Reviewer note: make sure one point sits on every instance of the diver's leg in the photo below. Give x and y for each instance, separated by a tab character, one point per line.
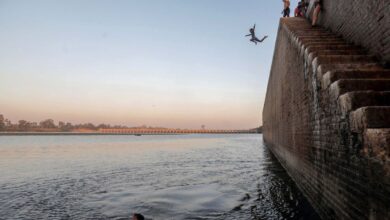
262	39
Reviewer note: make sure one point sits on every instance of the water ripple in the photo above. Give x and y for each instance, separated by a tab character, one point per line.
169	177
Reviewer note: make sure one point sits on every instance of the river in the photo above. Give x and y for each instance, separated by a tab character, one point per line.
161	176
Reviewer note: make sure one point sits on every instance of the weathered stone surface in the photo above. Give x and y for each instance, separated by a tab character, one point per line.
377	145
353	100
332	76
346	85
326	118
370	117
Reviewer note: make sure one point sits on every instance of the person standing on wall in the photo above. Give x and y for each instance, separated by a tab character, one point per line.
286	10
316	12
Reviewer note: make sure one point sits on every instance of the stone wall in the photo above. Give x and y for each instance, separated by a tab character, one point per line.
306	129
363	22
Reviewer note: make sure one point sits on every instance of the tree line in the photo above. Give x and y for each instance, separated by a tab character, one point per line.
50	125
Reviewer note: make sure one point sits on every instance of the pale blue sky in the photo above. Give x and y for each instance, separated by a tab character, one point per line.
172	63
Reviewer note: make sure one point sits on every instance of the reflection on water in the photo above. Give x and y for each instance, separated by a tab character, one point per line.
163	177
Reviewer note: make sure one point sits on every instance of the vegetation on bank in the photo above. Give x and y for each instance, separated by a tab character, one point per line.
48	125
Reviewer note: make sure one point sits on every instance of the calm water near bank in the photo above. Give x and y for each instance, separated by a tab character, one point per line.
163	177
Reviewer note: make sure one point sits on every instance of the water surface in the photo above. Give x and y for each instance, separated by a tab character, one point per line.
162	177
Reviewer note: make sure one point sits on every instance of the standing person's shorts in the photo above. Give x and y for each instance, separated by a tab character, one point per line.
286	12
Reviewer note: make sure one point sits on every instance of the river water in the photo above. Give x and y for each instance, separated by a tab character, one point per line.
162	177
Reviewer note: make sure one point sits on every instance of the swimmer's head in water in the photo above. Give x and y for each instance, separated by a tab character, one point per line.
138	216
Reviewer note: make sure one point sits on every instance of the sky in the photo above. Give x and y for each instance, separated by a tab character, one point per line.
170	63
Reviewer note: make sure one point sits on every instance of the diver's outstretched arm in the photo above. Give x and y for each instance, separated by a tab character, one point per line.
248	35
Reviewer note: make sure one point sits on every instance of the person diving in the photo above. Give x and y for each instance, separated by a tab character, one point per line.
252	34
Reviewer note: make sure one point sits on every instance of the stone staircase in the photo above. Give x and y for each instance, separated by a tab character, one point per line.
354	78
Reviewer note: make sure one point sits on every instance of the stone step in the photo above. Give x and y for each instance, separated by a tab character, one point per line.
353	100
339	59
296	28
377	143
305	28
321	41
311	37
349	85
318	46
324	68
369	117
306	31
309	44
361	61
335	59
309	32
332	76
319	36
331	47
310	57
339	52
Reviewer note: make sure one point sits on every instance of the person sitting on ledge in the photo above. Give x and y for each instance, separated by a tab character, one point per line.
286	10
138	216
298	12
317	10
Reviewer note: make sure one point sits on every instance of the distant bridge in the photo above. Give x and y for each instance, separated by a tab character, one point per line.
171	131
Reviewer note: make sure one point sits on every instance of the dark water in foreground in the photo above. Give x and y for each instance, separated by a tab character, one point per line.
163	177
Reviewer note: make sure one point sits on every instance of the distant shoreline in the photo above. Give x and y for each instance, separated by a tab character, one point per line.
97	133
